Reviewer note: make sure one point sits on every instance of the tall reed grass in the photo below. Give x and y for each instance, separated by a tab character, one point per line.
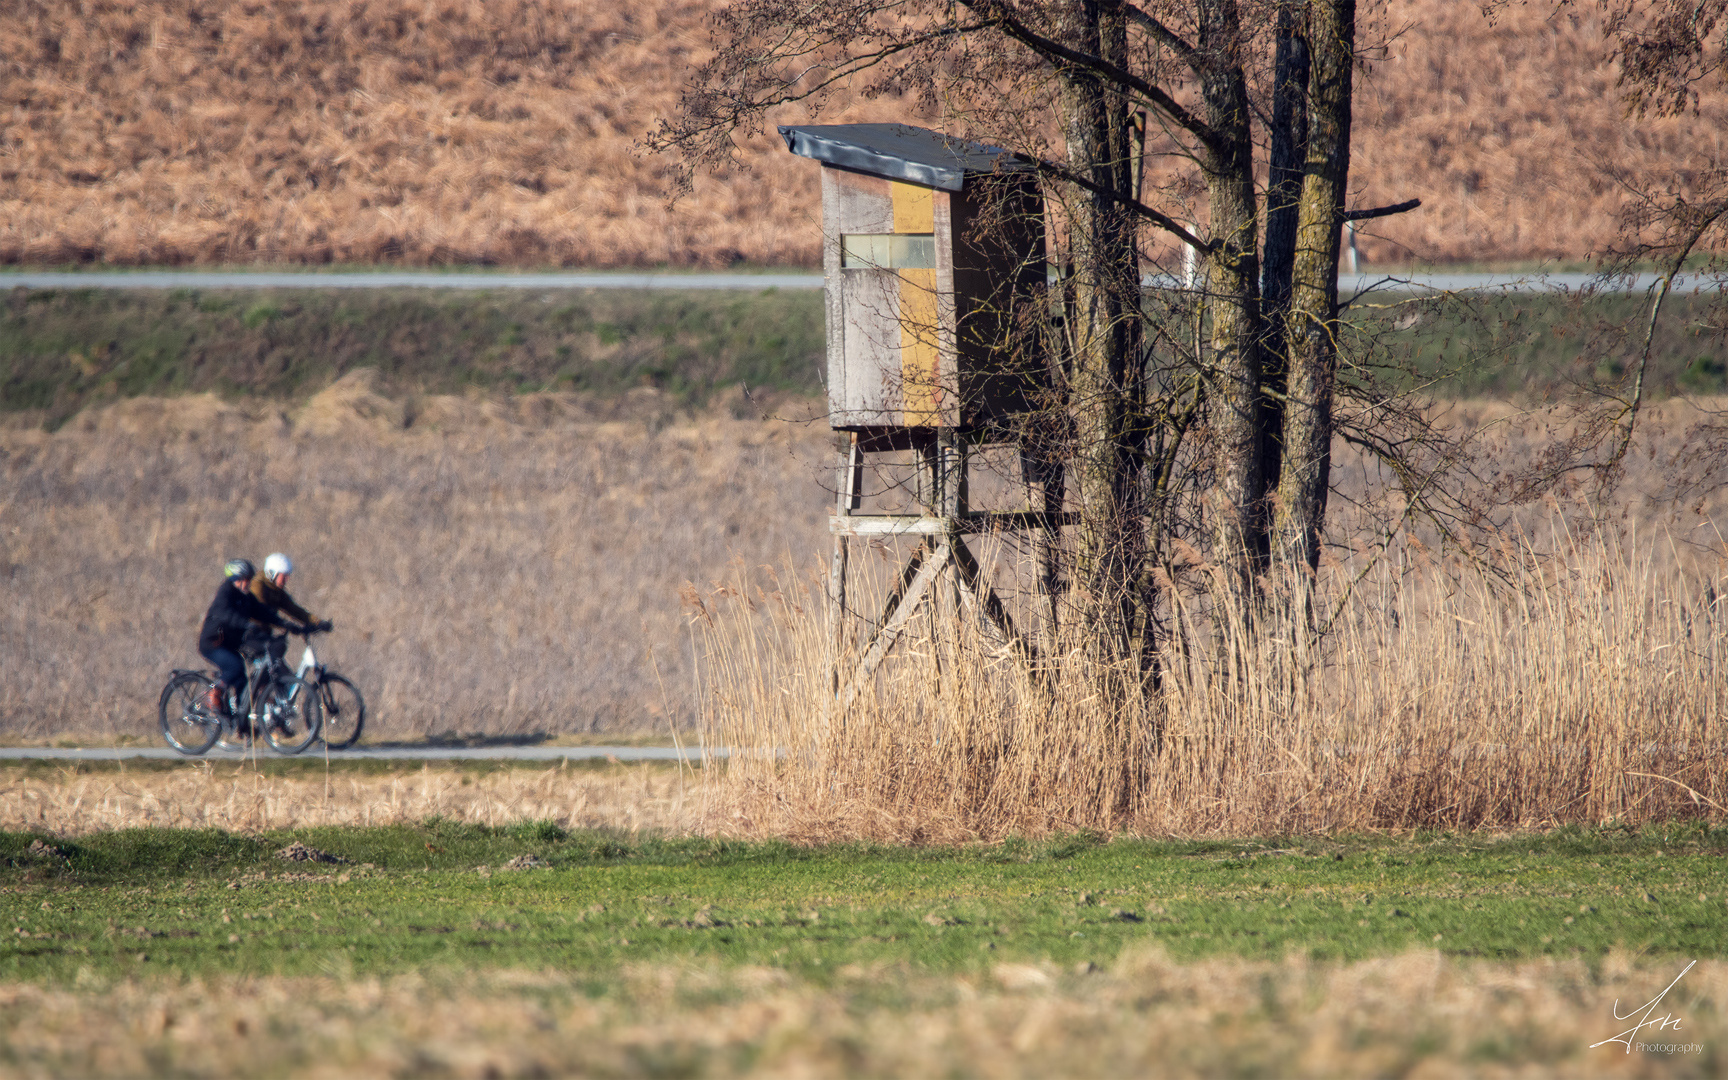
1510	689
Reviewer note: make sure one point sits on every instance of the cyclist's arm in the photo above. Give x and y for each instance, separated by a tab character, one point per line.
273	595
260	612
290	608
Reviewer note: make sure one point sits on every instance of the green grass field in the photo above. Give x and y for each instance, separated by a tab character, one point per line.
205	953
201	903
64	349
1512	347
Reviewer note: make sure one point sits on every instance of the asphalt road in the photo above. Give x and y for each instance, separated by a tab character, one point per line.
368	753
313	279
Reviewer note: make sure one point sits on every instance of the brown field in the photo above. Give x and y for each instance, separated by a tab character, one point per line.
1419	1015
312	131
503	568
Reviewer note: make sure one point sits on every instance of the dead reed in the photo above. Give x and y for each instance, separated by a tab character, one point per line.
315	131
1419	1014
1497	688
223	796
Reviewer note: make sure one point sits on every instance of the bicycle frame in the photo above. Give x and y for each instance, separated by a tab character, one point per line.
309	661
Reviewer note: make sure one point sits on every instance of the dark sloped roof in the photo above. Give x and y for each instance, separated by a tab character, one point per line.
899	151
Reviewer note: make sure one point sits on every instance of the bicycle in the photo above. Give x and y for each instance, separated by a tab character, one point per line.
281	704
342	709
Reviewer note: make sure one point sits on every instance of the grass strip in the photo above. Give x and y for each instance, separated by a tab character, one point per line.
1512	346
438	895
64	349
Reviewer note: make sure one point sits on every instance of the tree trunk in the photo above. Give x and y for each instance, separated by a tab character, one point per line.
1311	336
1233	296
1104	327
1289	139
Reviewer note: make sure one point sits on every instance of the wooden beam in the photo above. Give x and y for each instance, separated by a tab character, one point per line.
924	525
916	578
989	605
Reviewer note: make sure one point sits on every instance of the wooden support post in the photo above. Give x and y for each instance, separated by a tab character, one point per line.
950	461
985	603
943	496
1044	482
848	496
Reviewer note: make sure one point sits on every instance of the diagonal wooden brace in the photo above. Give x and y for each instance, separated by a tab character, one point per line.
984	601
928	561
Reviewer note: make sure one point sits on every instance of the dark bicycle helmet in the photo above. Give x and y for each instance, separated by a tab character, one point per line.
238	568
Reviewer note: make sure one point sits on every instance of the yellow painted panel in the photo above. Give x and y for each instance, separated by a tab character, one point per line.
914	208
920	388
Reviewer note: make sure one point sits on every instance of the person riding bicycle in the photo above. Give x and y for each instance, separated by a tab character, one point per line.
231	613
271	589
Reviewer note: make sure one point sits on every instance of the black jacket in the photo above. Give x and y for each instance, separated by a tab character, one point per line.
230	613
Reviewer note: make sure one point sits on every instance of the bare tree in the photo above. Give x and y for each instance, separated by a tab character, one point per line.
1208	423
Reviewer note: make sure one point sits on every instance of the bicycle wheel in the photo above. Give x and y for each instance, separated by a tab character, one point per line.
186	723
343	711
290	714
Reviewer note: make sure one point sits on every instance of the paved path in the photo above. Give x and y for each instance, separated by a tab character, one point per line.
367	753
240	279
407	279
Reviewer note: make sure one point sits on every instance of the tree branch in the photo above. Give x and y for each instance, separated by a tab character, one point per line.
1163	221
1056	51
1682	251
1164	36
1382	211
727	97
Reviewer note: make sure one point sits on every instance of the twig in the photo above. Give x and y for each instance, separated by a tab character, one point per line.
1690	790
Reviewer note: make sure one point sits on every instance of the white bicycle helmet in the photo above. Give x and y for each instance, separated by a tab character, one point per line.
278	565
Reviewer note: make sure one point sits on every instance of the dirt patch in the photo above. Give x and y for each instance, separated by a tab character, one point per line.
298	852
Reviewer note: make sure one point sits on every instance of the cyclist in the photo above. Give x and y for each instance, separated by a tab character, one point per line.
233	611
271	589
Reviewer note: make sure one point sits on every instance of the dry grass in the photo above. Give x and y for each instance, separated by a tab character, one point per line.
498	567
1570	672
176	131
513	567
316	131
1511	132
1417	1015
210	795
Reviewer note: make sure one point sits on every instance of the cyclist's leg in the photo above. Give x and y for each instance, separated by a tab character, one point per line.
232	675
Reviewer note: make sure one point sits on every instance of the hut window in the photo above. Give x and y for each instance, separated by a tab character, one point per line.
888	251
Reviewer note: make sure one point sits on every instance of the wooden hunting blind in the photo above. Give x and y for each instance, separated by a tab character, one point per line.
934	263
933	250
